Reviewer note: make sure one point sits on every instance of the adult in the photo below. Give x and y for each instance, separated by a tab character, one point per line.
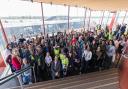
40	64
55	68
64	62
16	61
48	60
7	51
111	50
87	56
22	39
8	57
123	80
73	41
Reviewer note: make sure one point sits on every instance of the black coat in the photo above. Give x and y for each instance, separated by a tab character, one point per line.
57	68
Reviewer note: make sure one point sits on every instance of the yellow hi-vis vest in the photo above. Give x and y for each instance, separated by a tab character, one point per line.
64	60
62	56
32	58
106	34
110	36
56	51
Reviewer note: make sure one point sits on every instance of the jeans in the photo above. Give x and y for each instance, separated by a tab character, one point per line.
26	79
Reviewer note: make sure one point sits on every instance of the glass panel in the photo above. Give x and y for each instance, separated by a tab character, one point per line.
126	19
56	17
106	18
110	18
21	17
76	17
96	16
121	17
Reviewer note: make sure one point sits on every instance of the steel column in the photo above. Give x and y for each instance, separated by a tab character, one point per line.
99	19
3	32
102	18
42	10
68	17
89	20
85	17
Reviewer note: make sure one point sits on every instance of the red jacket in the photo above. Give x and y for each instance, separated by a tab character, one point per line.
73	41
16	63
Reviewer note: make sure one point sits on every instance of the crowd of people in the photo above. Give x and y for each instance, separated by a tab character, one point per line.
66	54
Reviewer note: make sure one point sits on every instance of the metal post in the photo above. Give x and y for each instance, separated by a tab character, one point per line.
89	20
20	81
42	10
85	18
124	17
68	17
99	18
3	32
102	18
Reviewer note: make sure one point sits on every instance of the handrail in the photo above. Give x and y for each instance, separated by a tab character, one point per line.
6	77
14	75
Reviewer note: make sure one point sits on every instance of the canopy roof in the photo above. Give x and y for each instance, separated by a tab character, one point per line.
111	5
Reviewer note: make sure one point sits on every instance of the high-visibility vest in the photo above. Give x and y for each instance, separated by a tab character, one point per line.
110	36
106	34
62	56
32	58
64	60
56	51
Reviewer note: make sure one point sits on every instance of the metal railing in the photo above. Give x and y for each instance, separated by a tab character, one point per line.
16	74
6	77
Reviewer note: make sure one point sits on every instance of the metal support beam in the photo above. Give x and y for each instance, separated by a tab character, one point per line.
124	17
89	20
102	18
68	17
3	32
42	10
99	18
85	17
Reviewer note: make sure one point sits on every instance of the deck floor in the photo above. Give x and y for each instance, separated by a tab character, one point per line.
107	79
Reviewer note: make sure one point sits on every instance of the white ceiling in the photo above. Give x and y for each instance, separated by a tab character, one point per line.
111	5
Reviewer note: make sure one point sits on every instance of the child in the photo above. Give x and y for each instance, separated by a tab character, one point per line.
27	74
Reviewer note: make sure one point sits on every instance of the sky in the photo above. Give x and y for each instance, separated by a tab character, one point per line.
25	8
